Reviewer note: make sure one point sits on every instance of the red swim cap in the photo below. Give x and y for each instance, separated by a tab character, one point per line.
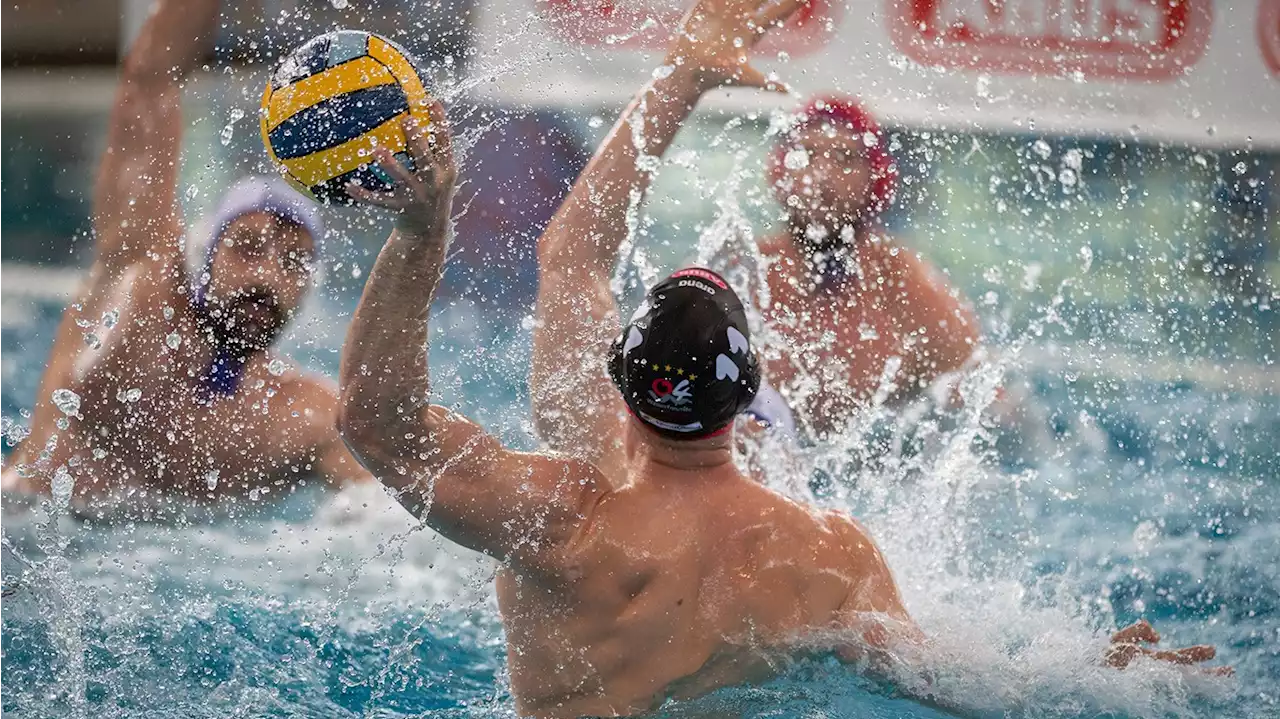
846	113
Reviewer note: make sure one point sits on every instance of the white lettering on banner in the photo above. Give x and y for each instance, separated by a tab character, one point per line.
1136	22
1203	72
1141	39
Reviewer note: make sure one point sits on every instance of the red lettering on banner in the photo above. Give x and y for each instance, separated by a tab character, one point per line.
1269	33
1137	39
648	24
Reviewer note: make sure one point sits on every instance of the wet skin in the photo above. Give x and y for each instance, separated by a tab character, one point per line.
839	341
275	430
145	428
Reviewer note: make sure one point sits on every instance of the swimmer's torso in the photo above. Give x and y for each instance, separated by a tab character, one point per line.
670	594
145	424
838	342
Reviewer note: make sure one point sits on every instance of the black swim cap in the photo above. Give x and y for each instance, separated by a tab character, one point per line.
684	362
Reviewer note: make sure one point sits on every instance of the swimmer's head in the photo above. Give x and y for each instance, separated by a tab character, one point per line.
833	168
259	263
684	363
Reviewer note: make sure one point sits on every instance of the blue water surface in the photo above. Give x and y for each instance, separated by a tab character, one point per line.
1020	538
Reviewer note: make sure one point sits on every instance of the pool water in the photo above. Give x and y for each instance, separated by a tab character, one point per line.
1019	538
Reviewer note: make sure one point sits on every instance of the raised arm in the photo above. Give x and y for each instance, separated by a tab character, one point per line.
135	209
135	217
574	407
444	469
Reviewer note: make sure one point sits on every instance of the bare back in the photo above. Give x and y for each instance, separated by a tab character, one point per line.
672	588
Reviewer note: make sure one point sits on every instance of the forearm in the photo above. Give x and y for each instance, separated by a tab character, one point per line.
384	376
135	197
586	232
173	42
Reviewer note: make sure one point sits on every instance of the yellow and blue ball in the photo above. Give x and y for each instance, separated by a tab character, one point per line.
331	102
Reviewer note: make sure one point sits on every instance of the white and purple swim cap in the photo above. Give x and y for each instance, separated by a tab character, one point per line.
258	193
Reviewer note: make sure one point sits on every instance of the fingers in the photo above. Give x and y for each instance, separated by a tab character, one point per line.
1119	655
1140	631
1188	655
749	76
776	12
431	146
399	174
387	200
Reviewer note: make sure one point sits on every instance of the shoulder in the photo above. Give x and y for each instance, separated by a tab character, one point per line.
850	533
314	396
919	274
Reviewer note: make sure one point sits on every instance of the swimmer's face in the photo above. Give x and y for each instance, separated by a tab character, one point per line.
829	178
260	274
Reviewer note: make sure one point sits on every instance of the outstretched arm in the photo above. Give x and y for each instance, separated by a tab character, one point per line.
574	407
135	218
135	209
444	469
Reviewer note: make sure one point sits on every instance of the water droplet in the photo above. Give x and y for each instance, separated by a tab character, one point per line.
1145	534
211	479
168	312
1240	168
276	367
796	159
63	423
662	72
229	129
340	4
15	433
99	453
595	121
133	395
92	340
109	318
983	88
1042	149
66	401
83	323
173	339
191	193
61	486
1067	177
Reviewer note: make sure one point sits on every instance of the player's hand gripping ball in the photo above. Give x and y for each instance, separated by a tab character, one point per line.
331	103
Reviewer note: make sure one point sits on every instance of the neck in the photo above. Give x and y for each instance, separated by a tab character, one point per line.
818	234
701	456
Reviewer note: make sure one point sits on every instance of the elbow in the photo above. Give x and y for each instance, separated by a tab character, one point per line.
359	426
